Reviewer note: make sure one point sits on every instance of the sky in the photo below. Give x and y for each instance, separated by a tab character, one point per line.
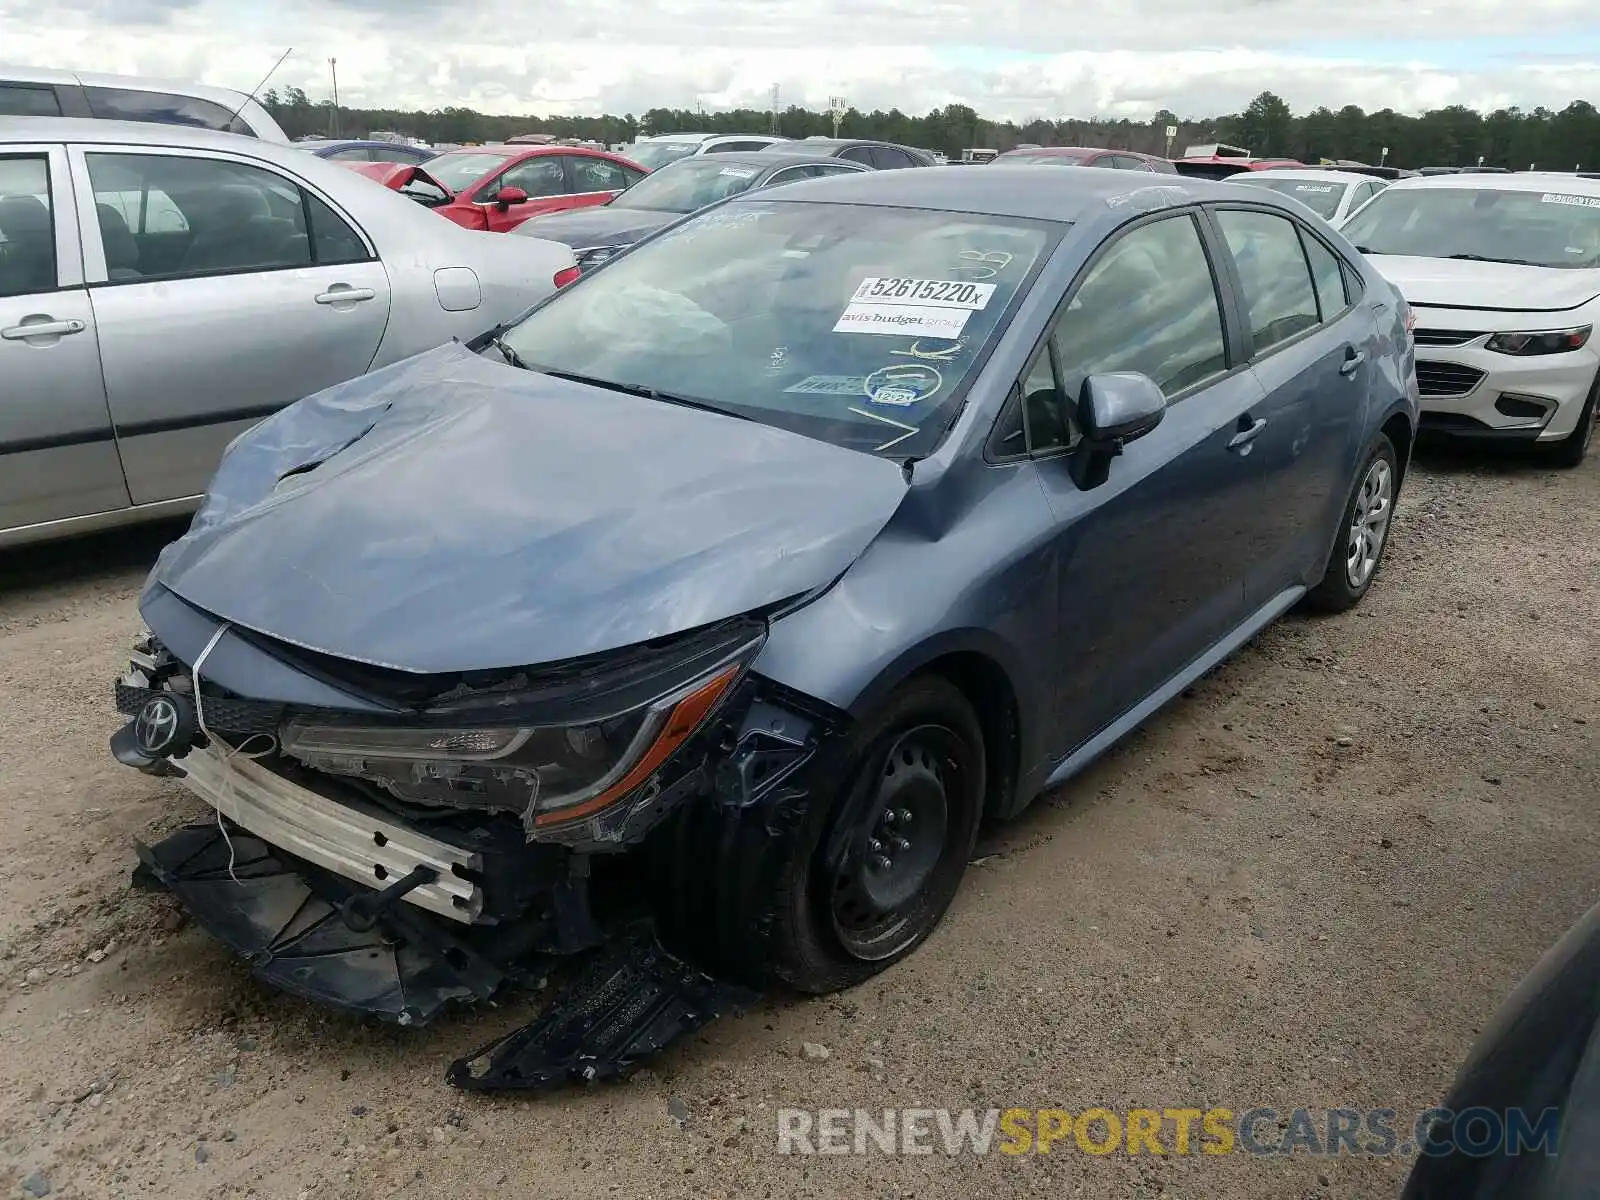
1013	59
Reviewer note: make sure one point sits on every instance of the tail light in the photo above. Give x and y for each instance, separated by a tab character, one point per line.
566	275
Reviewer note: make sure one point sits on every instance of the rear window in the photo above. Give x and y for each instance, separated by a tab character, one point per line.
1320	197
652	155
162	108
1045	160
857	325
690	183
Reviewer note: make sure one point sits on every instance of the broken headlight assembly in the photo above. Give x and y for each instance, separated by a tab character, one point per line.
548	773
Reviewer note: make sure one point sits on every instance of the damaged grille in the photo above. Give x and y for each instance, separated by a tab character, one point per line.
224	714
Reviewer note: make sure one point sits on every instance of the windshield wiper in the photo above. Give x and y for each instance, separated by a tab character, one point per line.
640	389
507	353
1518	262
1367	250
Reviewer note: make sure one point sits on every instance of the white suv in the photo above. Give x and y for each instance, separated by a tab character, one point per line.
28	92
658	151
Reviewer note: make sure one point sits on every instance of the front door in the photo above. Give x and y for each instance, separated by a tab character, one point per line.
1151	561
58	457
1312	351
217	303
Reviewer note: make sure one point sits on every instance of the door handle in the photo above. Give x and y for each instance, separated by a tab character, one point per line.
1353	358
341	293
41	328
1248	434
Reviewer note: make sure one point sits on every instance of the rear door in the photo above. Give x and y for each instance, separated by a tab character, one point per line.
1151	562
1311	349
595	180
58	457
224	290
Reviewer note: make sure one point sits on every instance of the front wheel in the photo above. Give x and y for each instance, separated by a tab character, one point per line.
1363	533
827	890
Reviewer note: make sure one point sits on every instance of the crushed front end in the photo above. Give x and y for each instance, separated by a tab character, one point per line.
439	839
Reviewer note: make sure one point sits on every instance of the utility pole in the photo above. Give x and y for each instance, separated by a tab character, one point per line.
773	106
333	69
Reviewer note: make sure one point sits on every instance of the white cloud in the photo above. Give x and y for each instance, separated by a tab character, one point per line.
588	56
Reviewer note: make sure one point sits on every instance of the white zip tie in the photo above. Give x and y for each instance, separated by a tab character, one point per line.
227	798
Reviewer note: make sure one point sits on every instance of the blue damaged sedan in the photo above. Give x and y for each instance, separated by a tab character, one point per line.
693	621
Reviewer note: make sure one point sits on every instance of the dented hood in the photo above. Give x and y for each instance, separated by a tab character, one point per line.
451	513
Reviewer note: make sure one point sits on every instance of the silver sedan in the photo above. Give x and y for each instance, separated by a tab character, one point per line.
163	289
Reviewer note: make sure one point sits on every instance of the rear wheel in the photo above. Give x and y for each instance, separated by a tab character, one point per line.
1363	534
822	891
1570	450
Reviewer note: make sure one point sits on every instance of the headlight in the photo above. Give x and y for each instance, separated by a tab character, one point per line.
548	774
1552	341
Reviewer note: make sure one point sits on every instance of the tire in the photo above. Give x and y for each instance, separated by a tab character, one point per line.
754	895
1570	450
1342	584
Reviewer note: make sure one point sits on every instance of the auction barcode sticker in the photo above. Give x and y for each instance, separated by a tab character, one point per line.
930	293
932	308
1562	198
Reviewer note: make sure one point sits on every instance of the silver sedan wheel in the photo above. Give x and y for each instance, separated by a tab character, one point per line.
1369	523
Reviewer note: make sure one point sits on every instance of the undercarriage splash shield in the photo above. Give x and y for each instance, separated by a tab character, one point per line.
625	1006
284	918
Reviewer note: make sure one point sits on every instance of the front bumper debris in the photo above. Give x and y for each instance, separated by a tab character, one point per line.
286	919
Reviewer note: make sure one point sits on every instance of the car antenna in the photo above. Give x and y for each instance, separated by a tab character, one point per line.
251	94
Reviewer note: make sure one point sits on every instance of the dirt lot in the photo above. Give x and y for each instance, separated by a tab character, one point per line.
1307	883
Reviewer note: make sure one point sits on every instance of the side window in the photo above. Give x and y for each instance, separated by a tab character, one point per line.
27	232
887	158
1149	305
1129	162
353	154
789	175
596	175
332	240
1327	273
538	177
28	100
1046	408
832	169
161	108
397	154
1278	292
169	216
860	154
742	146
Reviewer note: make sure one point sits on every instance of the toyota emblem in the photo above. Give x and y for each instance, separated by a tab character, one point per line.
157	727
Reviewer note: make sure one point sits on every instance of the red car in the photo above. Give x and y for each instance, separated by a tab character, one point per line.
1216	166
499	187
1086	156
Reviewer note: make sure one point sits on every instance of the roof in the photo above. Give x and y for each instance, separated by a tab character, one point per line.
766	160
1319	174
133	133
1519	181
1000	190
228	97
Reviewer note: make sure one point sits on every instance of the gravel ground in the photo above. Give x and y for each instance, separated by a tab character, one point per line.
1308	883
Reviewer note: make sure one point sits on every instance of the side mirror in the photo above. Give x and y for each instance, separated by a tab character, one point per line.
507	196
1113	409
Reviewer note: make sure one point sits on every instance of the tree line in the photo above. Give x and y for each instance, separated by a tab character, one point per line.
1453	136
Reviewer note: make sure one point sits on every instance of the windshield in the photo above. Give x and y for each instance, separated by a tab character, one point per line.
853	324
1045	160
1321	198
688	184
462	170
651	155
1546	229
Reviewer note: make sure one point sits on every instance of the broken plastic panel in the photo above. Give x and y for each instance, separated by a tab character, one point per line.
288	920
626	1006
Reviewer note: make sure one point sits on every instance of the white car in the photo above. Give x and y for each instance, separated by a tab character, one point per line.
1503	275
658	151
1333	195
37	92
